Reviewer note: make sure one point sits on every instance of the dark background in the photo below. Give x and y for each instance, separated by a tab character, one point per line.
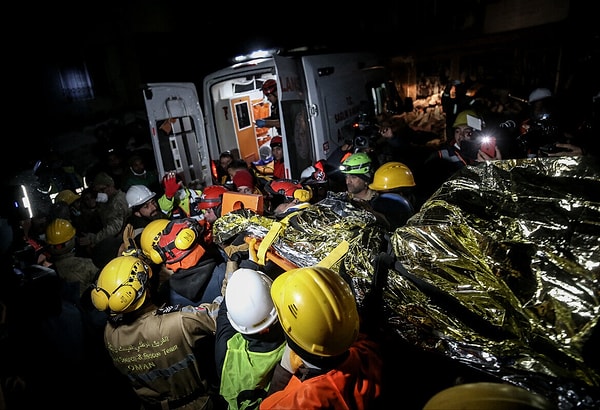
128	43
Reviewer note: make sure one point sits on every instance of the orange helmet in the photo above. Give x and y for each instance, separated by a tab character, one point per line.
212	196
269	87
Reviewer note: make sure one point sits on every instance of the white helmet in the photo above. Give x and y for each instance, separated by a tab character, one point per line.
539	94
250	308
308	172
138	194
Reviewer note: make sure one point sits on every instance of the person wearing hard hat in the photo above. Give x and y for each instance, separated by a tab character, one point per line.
66	205
270	92
394	181
328	362
543	134
62	244
465	148
166	354
249	339
144	209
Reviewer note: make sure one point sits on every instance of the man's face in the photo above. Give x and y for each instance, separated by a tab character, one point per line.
138	166
272	97
463	132
355	184
150	209
210	215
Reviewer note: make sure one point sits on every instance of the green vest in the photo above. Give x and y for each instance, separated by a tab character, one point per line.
247	375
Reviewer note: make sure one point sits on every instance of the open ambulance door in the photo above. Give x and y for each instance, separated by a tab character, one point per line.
244	128
298	143
177	131
338	88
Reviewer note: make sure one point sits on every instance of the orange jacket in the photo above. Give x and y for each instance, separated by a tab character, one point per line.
354	384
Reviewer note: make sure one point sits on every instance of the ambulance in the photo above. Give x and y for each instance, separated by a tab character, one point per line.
319	96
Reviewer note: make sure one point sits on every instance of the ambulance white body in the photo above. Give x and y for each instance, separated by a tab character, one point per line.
319	95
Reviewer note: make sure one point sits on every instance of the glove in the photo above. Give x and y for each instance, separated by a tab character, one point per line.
129	247
252	256
261	123
170	185
237	251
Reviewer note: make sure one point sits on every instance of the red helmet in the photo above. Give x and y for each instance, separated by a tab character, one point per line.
276	141
212	196
269	87
289	189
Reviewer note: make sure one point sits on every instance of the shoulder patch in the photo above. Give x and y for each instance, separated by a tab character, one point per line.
168	309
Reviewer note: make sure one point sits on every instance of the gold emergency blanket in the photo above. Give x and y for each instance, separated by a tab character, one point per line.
499	270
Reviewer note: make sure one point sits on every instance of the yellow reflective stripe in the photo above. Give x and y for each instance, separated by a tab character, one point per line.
267	241
336	254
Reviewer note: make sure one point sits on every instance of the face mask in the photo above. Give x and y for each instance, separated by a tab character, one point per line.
101	198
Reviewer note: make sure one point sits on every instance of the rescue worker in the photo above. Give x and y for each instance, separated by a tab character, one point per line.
166	354
144	209
197	268
139	174
222	176
245	182
112	208
76	270
358	171
179	201
544	132
249	339
287	196
277	150
210	202
393	181
327	363
269	90
462	150
66	205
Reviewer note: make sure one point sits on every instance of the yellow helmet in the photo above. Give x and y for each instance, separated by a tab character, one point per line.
461	118
487	396
150	237
66	196
392	175
121	285
59	231
317	310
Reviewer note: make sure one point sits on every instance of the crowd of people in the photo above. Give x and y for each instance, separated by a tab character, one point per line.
139	285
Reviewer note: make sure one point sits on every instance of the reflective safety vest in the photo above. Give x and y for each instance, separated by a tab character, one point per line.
246	374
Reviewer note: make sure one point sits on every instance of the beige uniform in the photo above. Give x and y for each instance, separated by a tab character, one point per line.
167	354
